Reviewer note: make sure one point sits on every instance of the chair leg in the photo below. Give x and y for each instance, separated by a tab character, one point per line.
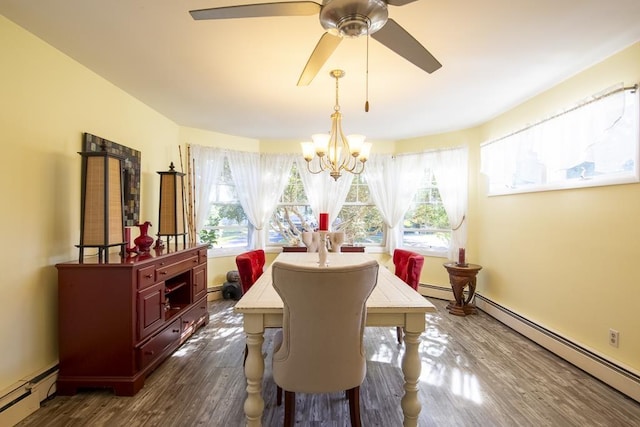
278	395
354	406
399	334
289	408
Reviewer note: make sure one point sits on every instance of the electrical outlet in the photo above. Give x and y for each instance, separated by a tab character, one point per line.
614	337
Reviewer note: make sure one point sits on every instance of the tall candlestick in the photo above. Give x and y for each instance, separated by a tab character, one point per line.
324	222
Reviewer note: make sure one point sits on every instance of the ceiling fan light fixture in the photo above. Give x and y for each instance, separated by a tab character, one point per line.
340	19
354	26
352	18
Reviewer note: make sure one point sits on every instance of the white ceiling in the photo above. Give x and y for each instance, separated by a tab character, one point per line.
239	76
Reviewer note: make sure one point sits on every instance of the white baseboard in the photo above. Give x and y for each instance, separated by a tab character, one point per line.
622	378
214	293
23	398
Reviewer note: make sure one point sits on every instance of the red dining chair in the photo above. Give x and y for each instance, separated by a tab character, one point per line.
250	267
408	267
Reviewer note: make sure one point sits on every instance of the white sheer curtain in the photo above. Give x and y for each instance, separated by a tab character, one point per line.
393	181
450	167
207	166
323	192
588	144
260	180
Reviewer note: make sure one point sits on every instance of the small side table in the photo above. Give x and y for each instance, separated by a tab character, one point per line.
459	277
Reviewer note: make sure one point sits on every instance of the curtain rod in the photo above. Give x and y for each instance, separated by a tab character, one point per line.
595	98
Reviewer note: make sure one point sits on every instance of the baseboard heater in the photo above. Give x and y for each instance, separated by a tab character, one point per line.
618	377
23	398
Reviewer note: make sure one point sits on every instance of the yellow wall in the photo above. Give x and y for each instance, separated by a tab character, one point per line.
220	140
289	146
563	259
48	101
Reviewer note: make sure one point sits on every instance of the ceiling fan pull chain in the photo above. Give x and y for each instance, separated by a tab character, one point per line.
366	103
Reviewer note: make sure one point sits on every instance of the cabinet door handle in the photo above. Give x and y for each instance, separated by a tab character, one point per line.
163	273
176	331
148	276
149	352
195	261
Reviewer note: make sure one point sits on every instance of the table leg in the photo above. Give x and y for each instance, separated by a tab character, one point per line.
254	371
457	285
469	307
411	369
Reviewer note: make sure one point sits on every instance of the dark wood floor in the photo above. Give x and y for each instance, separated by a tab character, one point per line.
475	372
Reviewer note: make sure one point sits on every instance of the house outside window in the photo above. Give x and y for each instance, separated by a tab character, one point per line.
227	225
359	217
425	225
293	214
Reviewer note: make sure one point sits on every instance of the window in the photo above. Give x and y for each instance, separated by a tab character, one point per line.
227	225
293	214
426	224
595	143
359	217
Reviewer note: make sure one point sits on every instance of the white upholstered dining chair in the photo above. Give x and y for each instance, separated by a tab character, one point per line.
320	348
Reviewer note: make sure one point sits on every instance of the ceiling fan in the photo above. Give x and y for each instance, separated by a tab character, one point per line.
340	18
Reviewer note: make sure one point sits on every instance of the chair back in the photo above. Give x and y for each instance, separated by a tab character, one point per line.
408	266
250	267
323	324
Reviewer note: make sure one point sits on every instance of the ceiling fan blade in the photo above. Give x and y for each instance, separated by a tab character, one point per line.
295	8
325	47
396	38
399	2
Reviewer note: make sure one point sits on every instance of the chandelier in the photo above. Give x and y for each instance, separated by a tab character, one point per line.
335	152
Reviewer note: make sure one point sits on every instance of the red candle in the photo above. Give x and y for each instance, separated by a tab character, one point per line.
324	222
461	256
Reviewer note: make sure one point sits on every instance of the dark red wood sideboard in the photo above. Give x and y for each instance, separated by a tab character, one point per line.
119	320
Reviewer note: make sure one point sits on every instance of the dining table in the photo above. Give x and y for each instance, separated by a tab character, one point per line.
392	303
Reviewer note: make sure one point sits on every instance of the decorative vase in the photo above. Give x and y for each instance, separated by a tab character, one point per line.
143	241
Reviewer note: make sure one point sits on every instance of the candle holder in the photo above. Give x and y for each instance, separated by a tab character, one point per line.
323	253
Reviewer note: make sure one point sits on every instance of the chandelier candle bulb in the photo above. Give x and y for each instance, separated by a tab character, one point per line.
324	222
355	144
321	143
364	152
308	150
